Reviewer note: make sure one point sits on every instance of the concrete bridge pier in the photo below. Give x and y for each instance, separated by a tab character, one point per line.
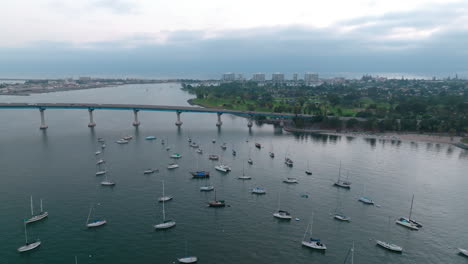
250	123
281	124
178	122
219	123
135	121
91	119
43	124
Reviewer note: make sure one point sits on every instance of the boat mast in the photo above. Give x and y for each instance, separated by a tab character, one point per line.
279	200
32	207
76	260
311	224
352	254
89	214
339	173
411	208
164	211
305	233
41	206
25	233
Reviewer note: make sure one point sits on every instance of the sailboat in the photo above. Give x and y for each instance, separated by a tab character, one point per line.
258	190
38	217
166	223
200	174
282	214
191	259
216	202
350	255
96	222
271	153
244	177
338	215
150	171
308	171
389	246
313	243
463	251
408	222
100	171
28	246
290	180
176	156
207	188
172	166
343	184
164	198
250	161
107	182
364	199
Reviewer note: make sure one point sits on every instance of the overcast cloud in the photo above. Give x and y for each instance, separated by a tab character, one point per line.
153	38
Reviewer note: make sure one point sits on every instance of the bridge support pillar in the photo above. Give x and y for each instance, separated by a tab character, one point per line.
281	124
43	124
219	123
178	122
250	123
91	118
135	121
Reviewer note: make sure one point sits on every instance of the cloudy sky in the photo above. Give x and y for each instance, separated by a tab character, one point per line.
190	38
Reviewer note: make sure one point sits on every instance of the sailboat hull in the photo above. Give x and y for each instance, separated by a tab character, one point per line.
29	247
166	225
404	222
314	245
391	247
188	260
96	223
38	217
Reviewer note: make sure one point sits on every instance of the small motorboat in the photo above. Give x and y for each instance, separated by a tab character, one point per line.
214	141
281	214
223	146
234	153
258	145
463	251
259	190
150	138
199	151
250	161
207	188
288	162
194	145
213	157
366	200
192	259
127	137
122	141
96	223
389	246
176	156
314	244
172	166
308	172
244	177
165	198
200	174
223	168
290	180
272	155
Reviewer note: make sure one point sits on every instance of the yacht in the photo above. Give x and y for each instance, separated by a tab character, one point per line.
259	190
223	168
290	180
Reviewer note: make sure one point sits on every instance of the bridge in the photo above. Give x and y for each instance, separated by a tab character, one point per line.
136	108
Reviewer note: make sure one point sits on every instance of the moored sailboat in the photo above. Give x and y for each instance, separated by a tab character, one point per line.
28	246
313	243
38	217
166	224
408	222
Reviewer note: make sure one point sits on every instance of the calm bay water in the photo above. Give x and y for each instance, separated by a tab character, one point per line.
59	166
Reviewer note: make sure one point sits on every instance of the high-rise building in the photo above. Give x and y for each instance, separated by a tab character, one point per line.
258	77
295	77
311	78
277	77
229	77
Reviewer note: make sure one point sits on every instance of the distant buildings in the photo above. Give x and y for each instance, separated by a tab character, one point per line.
229	77
295	77
310	78
258	77
277	77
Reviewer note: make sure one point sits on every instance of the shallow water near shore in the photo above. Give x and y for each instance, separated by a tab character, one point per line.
58	165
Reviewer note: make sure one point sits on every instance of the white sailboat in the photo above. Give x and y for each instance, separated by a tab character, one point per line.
207	188
365	199
244	177
387	245
107	182
101	171
313	243
28	246
164	198
350	255
338	215
38	217
166	224
343	184
308	171
96	222
463	251
281	214
408	222
290	180
190	259
258	190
